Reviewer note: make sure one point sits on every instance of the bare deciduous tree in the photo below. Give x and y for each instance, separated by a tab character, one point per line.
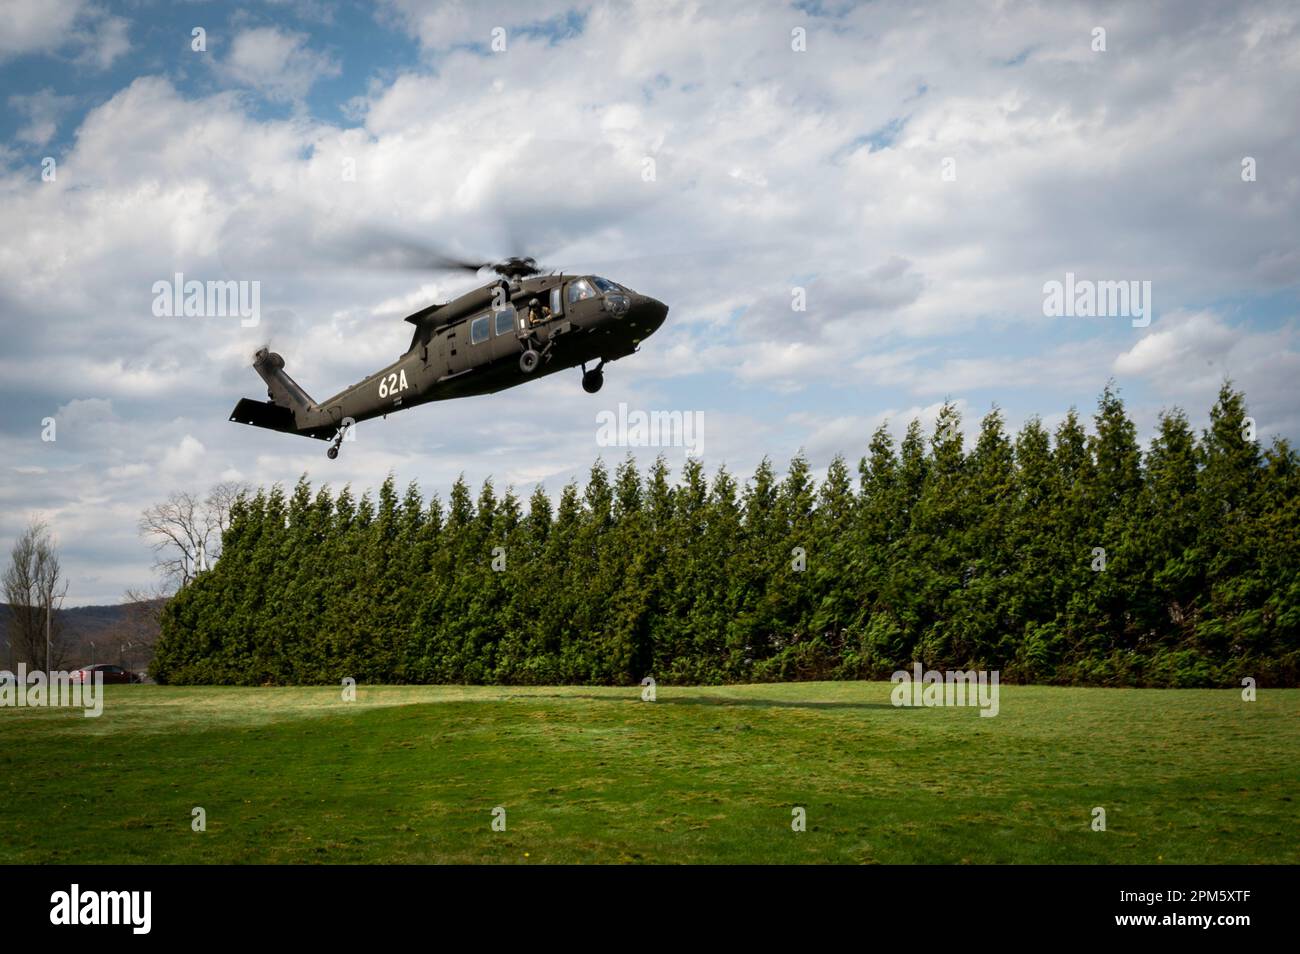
185	531
135	636
34	589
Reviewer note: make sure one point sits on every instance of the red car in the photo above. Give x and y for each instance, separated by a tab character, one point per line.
112	674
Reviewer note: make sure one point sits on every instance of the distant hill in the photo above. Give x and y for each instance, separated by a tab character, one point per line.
108	627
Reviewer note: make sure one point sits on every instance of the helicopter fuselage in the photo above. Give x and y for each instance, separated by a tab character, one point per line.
495	337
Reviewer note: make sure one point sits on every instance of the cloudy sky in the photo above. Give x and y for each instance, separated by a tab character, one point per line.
921	171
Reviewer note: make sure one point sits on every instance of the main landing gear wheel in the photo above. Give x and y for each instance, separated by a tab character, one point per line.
529	360
332	453
593	380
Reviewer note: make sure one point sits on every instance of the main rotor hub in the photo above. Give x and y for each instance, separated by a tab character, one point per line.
516	267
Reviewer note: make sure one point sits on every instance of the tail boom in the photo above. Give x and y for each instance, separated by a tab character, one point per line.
290	410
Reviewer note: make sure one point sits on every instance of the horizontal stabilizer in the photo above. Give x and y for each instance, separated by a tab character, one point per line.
274	417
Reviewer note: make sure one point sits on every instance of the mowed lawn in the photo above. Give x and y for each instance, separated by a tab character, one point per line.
412	774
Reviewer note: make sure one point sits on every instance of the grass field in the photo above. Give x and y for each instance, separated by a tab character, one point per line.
412	774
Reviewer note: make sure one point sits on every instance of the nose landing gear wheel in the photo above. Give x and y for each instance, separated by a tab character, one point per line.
529	360
332	453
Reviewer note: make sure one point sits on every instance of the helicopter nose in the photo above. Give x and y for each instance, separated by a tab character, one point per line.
648	314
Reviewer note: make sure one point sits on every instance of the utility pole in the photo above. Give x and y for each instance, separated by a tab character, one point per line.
49	599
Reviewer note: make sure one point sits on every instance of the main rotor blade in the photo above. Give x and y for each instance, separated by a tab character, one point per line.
379	248
252	242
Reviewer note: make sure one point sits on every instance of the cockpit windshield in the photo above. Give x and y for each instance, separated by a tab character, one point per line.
605	285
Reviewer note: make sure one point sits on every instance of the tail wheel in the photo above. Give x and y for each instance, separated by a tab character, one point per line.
529	360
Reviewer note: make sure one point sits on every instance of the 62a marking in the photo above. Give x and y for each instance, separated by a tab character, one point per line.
393	383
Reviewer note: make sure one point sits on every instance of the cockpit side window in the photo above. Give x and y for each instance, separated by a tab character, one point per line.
579	290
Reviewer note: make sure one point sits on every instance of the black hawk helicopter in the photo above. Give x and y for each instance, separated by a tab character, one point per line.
522	326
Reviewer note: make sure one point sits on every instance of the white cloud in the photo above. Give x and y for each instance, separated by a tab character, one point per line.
43	110
104	41
277	63
95	38
185	457
403	305
1180	346
36	26
1187	356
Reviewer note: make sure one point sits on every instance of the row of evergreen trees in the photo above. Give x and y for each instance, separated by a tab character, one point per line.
1066	558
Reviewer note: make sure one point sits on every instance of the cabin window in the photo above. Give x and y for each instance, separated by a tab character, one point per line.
505	321
579	290
557	301
478	330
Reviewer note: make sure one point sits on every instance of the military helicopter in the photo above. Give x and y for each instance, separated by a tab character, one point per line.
520	327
